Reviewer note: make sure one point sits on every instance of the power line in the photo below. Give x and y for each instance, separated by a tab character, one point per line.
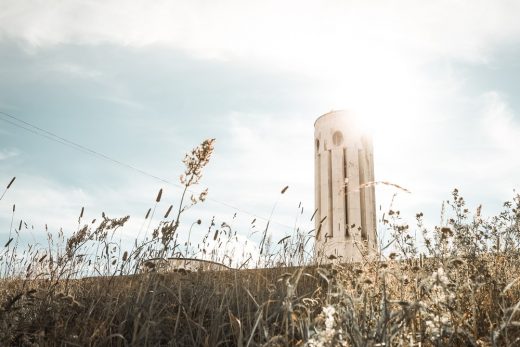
52	136
34	129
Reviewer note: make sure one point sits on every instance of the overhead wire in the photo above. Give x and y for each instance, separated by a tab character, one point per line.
36	130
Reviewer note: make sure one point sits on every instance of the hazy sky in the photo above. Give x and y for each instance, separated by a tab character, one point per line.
144	82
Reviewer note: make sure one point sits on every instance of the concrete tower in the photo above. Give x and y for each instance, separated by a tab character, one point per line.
345	209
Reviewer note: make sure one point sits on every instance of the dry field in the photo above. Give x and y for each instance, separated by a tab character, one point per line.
461	289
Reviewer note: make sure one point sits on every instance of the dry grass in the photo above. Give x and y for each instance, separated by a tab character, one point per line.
86	290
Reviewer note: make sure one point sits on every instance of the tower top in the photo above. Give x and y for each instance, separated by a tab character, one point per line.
344	124
336	113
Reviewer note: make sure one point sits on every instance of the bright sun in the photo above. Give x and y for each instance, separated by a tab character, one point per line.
386	97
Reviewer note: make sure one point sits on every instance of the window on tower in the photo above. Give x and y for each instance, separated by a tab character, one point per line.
337	138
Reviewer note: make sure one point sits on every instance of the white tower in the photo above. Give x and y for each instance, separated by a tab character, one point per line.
345	207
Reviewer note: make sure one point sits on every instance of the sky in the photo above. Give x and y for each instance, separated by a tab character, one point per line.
144	82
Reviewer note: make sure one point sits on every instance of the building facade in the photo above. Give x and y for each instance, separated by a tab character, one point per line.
345	214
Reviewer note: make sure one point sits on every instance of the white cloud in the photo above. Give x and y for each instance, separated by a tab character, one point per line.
271	142
8	153
355	52
306	35
39	203
499	132
498	123
256	157
76	70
